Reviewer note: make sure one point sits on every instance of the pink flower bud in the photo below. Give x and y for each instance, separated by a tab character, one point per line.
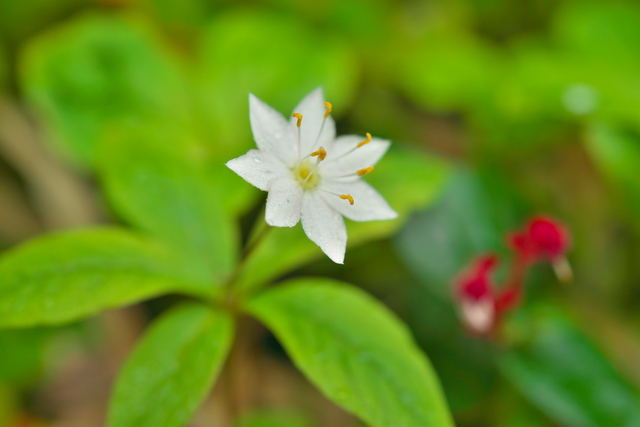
544	239
483	305
474	293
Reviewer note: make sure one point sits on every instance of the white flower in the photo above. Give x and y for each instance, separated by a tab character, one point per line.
310	174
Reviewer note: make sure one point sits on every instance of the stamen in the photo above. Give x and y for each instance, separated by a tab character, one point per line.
365	171
361	172
298	124
342	196
326	114
360	144
321	153
347	197
329	109
366	141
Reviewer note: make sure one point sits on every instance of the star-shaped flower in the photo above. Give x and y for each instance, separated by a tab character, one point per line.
310	174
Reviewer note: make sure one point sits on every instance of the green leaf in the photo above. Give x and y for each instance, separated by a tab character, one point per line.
470	218
465	364
173	367
277	58
355	351
18	22
601	29
23	355
562	372
155	180
446	69
408	180
186	15
68	276
94	73
236	195
513	409
594	42
617	153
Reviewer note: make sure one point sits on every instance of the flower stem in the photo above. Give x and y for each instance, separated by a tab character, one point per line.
241	370
510	294
235	383
253	243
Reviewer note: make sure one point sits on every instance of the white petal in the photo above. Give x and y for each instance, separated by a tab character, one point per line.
312	109
272	133
368	204
479	314
258	168
338	162
284	203
324	226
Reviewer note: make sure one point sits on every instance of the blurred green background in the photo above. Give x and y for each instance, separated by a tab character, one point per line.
519	107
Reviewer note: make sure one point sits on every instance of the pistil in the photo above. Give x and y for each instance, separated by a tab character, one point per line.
321	154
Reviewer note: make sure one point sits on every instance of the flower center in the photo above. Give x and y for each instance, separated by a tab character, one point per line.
306	172
306	175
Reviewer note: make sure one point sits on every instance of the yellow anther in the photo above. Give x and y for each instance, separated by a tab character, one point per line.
299	117
329	108
365	171
366	141
321	153
347	197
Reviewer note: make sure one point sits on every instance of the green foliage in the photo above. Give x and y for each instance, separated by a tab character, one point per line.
465	364
561	371
157	181
617	153
538	102
364	22
355	351
93	74
68	276
17	21
447	69
184	14
466	221
172	369
23	355
595	40
408	180
587	28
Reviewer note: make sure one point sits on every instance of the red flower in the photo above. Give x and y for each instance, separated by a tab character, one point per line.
544	239
481	303
476	297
